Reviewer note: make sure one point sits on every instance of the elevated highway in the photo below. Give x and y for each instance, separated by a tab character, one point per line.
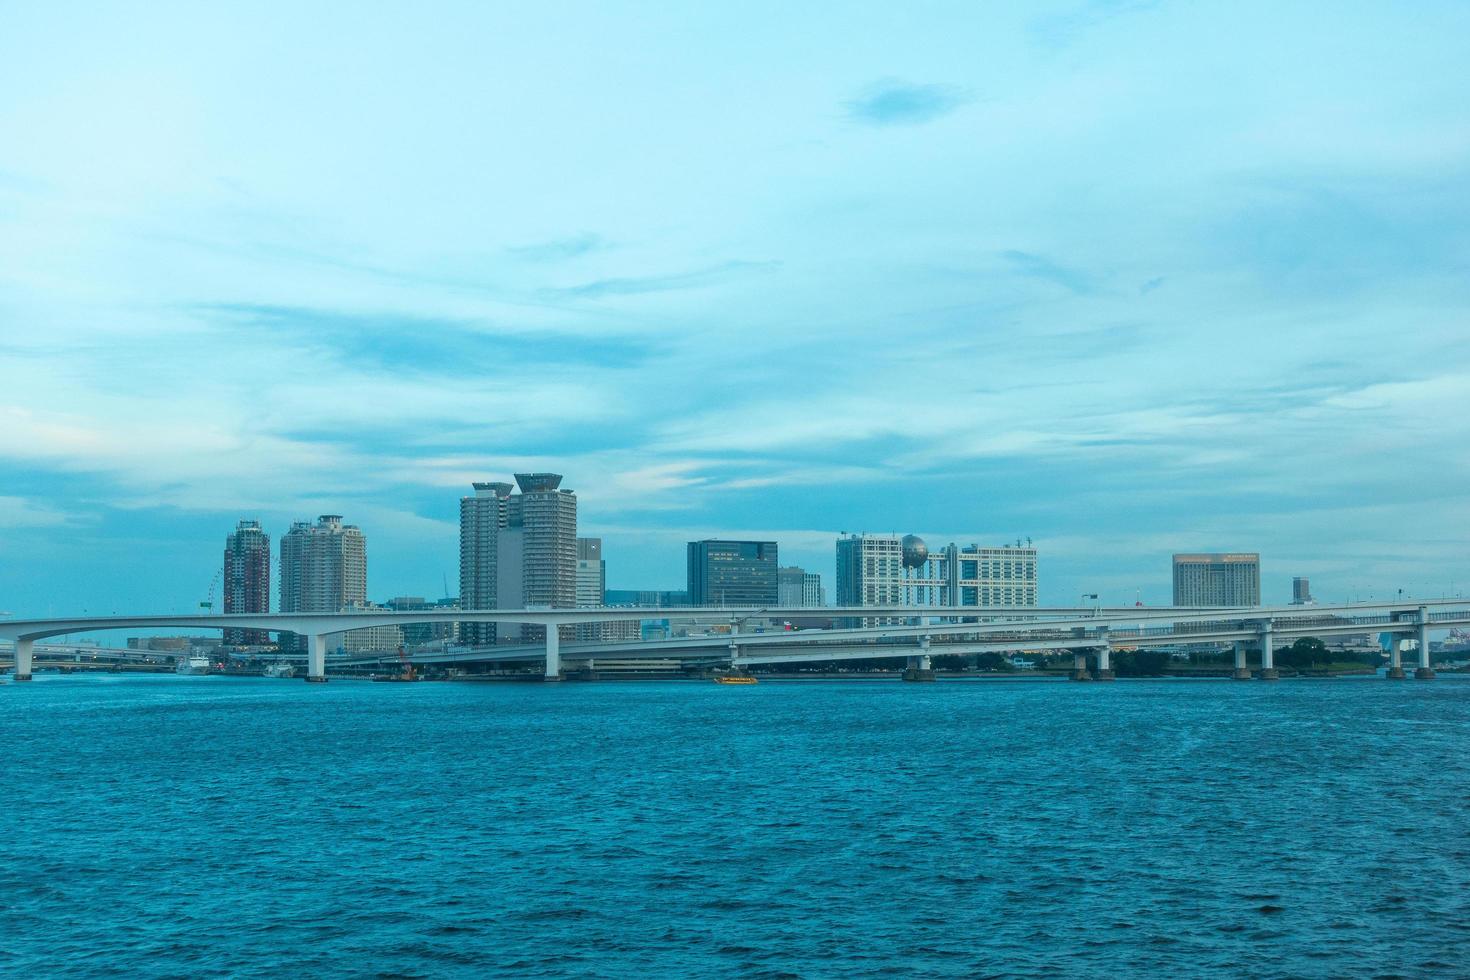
917	632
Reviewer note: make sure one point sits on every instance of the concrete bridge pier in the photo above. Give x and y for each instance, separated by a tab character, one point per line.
553	653
1242	672
24	655
1079	667
1396	657
920	668
1268	654
316	658
1423	672
1105	663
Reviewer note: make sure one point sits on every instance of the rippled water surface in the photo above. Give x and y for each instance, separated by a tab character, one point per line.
183	826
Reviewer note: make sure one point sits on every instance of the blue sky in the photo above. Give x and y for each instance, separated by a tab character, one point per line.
1125	278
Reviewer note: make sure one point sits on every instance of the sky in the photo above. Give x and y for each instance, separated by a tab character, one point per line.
1125	278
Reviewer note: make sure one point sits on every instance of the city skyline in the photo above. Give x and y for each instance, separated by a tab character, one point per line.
964	275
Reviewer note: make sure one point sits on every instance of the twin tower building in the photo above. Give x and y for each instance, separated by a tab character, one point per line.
519	550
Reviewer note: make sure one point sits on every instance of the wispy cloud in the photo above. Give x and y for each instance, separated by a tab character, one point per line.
892	102
560	248
21	512
428	345
1041	267
637	285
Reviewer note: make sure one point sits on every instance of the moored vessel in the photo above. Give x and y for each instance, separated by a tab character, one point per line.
193	663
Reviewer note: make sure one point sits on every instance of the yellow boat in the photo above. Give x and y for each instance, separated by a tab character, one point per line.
735	679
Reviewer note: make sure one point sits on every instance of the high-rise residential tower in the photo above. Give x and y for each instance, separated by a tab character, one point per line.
517	550
732	573
1232	579
481	518
247	579
323	568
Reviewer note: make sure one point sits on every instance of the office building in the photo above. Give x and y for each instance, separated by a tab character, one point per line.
420	634
371	639
591	572
323	568
799	588
1301	591
1232	579
885	569
592	592
732	573
247	580
517	550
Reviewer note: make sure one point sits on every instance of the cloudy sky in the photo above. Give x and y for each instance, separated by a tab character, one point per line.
1125	278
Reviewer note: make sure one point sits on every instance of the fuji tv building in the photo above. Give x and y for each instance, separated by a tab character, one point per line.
888	569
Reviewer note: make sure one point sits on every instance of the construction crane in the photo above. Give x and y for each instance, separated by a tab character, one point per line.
408	674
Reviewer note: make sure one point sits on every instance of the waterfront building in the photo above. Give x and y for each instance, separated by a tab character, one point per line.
323	569
420	634
592	592
1301	591
885	569
372	639
517	550
1226	579
799	588
732	573
653	598
247	580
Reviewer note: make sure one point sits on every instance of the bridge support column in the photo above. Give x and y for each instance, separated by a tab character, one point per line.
1079	667
1242	672
316	658
553	653
1105	663
1423	672
1396	657
1268	654
920	668
24	655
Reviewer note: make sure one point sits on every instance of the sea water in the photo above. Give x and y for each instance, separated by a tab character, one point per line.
214	826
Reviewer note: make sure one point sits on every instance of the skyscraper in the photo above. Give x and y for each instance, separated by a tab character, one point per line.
481	518
323	568
1301	591
517	550
247	579
1232	579
732	573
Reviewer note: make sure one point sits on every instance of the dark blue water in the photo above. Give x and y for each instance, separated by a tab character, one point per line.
237	827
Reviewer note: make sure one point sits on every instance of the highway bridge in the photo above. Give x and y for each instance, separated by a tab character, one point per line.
916	632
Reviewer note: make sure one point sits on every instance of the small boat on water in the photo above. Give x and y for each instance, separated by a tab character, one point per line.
735	679
279	670
194	663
